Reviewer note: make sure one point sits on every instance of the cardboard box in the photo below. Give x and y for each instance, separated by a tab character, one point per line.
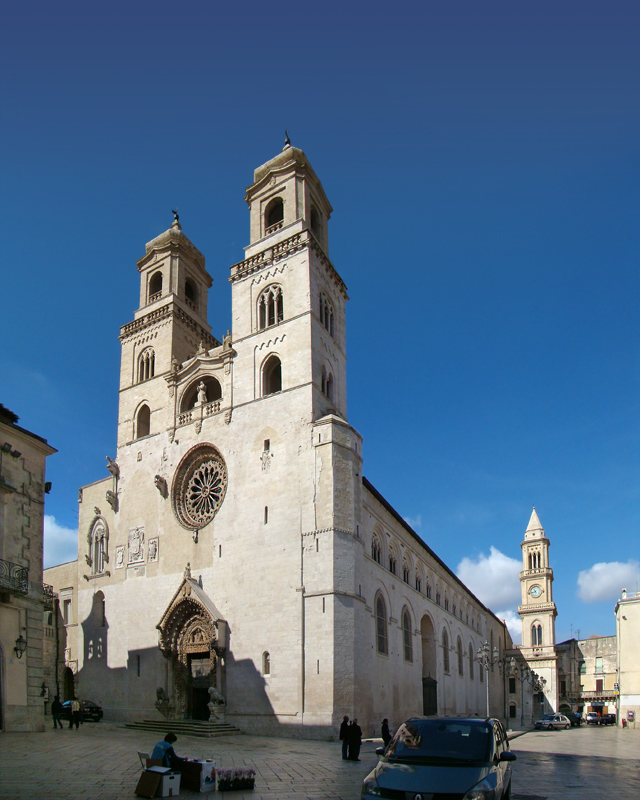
199	776
169	782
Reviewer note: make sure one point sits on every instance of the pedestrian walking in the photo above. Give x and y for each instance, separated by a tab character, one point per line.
385	732
355	740
75	713
344	737
56	711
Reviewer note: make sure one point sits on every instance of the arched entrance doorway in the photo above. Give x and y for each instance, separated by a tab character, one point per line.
68	683
193	639
429	661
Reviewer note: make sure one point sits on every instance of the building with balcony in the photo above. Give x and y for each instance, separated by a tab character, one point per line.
22	595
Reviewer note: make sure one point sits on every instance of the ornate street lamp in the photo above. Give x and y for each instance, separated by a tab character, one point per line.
522	673
21	646
487	659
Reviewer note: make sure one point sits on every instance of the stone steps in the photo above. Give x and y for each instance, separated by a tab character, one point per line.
186	727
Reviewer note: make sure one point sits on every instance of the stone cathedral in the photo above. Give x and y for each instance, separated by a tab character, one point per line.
234	562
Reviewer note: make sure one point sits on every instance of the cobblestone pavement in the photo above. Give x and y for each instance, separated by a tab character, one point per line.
99	762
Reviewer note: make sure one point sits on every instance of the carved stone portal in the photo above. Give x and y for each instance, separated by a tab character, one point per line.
189	640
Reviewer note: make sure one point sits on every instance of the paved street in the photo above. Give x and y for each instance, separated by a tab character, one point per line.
99	762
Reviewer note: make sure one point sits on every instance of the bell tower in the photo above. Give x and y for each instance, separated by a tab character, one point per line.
168	328
538	611
288	301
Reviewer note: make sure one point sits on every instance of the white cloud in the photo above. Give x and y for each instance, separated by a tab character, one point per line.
606	579
514	624
415	522
60	543
494	579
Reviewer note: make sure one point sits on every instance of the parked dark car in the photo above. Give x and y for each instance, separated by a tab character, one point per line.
443	757
90	711
609	719
574	718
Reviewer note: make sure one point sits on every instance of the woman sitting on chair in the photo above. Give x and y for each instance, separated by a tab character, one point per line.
164	751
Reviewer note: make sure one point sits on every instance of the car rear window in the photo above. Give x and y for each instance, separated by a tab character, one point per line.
457	739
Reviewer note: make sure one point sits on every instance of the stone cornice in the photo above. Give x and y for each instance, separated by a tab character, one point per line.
166	312
271	255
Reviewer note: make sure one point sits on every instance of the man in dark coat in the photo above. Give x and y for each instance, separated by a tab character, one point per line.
344	736
56	711
355	739
386	733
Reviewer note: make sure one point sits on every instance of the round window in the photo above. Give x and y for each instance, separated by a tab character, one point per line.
199	487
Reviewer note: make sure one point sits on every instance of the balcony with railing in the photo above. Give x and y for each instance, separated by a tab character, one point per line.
48	596
14	577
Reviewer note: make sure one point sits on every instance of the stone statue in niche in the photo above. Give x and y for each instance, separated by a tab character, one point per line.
120	557
202	393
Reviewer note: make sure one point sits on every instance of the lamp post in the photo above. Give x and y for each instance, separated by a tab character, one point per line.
522	674
537	685
487	659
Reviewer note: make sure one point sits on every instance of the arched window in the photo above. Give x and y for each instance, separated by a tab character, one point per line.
98	539
428	592
460	659
471	661
326	313
454	609
376	550
271	376
327	383
406	636
274	215
393	564
270	307
381	626
446	603
155	287
418	583
445	650
190	294
266	664
406	572
146	364
536	635
316	225
143	422
438	598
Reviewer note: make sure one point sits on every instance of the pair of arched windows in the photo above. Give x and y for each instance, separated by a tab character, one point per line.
326	313
382	639
270	306
536	635
327	384
146	364
376	550
155	290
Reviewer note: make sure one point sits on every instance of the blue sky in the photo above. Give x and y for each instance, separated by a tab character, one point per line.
482	162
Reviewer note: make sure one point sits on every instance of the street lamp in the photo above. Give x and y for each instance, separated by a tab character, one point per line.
21	646
537	685
522	674
487	659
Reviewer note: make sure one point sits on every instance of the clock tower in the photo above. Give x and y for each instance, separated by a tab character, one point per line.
538	611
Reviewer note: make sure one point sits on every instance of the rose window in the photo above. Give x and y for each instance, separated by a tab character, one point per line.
199	487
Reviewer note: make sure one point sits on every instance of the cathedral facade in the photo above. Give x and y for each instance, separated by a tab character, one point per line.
234	562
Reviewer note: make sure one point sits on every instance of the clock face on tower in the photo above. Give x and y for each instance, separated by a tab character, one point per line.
535	591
